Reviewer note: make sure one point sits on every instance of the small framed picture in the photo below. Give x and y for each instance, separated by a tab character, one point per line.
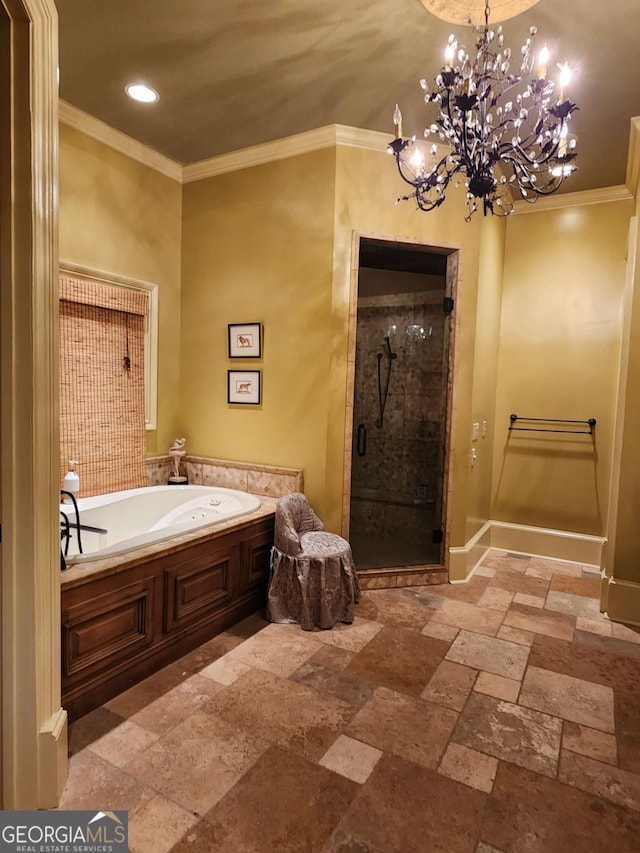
243	386
245	340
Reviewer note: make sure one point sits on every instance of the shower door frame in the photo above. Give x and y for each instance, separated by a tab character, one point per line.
454	258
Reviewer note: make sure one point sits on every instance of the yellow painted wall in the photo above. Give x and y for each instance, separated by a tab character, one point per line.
559	352
119	216
257	247
273	244
485	361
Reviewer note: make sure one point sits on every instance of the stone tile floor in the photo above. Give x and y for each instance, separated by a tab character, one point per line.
497	716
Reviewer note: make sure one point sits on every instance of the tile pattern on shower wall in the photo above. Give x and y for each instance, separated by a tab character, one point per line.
403	459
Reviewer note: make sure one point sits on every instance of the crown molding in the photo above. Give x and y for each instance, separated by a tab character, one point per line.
96	129
633	161
557	202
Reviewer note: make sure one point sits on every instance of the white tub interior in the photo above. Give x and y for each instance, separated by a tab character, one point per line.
137	517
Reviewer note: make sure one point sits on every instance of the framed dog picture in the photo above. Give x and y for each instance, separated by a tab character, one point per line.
244	386
245	340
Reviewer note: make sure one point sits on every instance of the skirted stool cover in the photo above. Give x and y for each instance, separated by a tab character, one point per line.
313	578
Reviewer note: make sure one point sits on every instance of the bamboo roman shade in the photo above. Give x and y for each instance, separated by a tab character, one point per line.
102	412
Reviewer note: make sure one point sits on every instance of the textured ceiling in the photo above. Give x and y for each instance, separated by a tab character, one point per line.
237	73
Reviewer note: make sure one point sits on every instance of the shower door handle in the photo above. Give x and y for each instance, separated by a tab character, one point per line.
361	441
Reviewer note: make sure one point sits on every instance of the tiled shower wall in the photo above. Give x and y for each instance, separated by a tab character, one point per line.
396	485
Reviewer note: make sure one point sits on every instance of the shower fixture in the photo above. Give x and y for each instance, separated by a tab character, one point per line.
382	396
416	332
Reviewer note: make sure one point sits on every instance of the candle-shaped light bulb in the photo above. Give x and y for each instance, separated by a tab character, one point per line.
417	160
449	53
565	77
543	61
562	146
397	121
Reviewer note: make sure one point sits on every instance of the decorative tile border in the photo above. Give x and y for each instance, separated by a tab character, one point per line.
246	476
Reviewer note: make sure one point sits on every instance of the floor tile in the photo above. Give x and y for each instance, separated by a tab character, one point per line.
515	635
347	687
568	697
497	686
515	583
596	626
400	608
589	587
629	633
203	747
574	605
91	727
484	572
590	662
176	705
558	625
612	644
528	813
351	758
529	600
142	694
157	825
627	712
123	743
490	654
351	638
345	842
546	567
612	783
284	803
506	562
332	657
284	712
404	808
510	732
94	783
405	726
450	685
469	767
471	591
440	632
470	617
399	659
209	652
279	649
225	670
496	599
589	742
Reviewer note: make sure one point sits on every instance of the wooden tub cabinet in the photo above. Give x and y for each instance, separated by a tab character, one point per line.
123	624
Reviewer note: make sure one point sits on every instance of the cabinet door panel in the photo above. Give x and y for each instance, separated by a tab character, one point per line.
200	587
108	628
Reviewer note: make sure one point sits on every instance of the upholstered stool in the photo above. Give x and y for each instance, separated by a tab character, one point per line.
313	578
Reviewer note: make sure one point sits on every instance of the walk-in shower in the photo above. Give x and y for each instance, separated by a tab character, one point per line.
400	392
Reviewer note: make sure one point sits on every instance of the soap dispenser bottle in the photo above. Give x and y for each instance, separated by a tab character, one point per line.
71	482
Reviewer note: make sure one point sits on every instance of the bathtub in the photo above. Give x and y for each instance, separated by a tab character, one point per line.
121	521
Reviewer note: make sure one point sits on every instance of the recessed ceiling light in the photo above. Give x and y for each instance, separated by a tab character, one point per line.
141	92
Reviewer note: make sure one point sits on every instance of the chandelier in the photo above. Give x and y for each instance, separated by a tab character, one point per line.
507	135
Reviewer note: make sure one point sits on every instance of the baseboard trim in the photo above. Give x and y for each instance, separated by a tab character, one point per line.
54	759
464	561
524	539
621	600
546	542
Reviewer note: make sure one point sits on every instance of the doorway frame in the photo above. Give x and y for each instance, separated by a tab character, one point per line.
454	254
34	725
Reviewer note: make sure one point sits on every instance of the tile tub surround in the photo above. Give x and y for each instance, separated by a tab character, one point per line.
408	734
248	477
